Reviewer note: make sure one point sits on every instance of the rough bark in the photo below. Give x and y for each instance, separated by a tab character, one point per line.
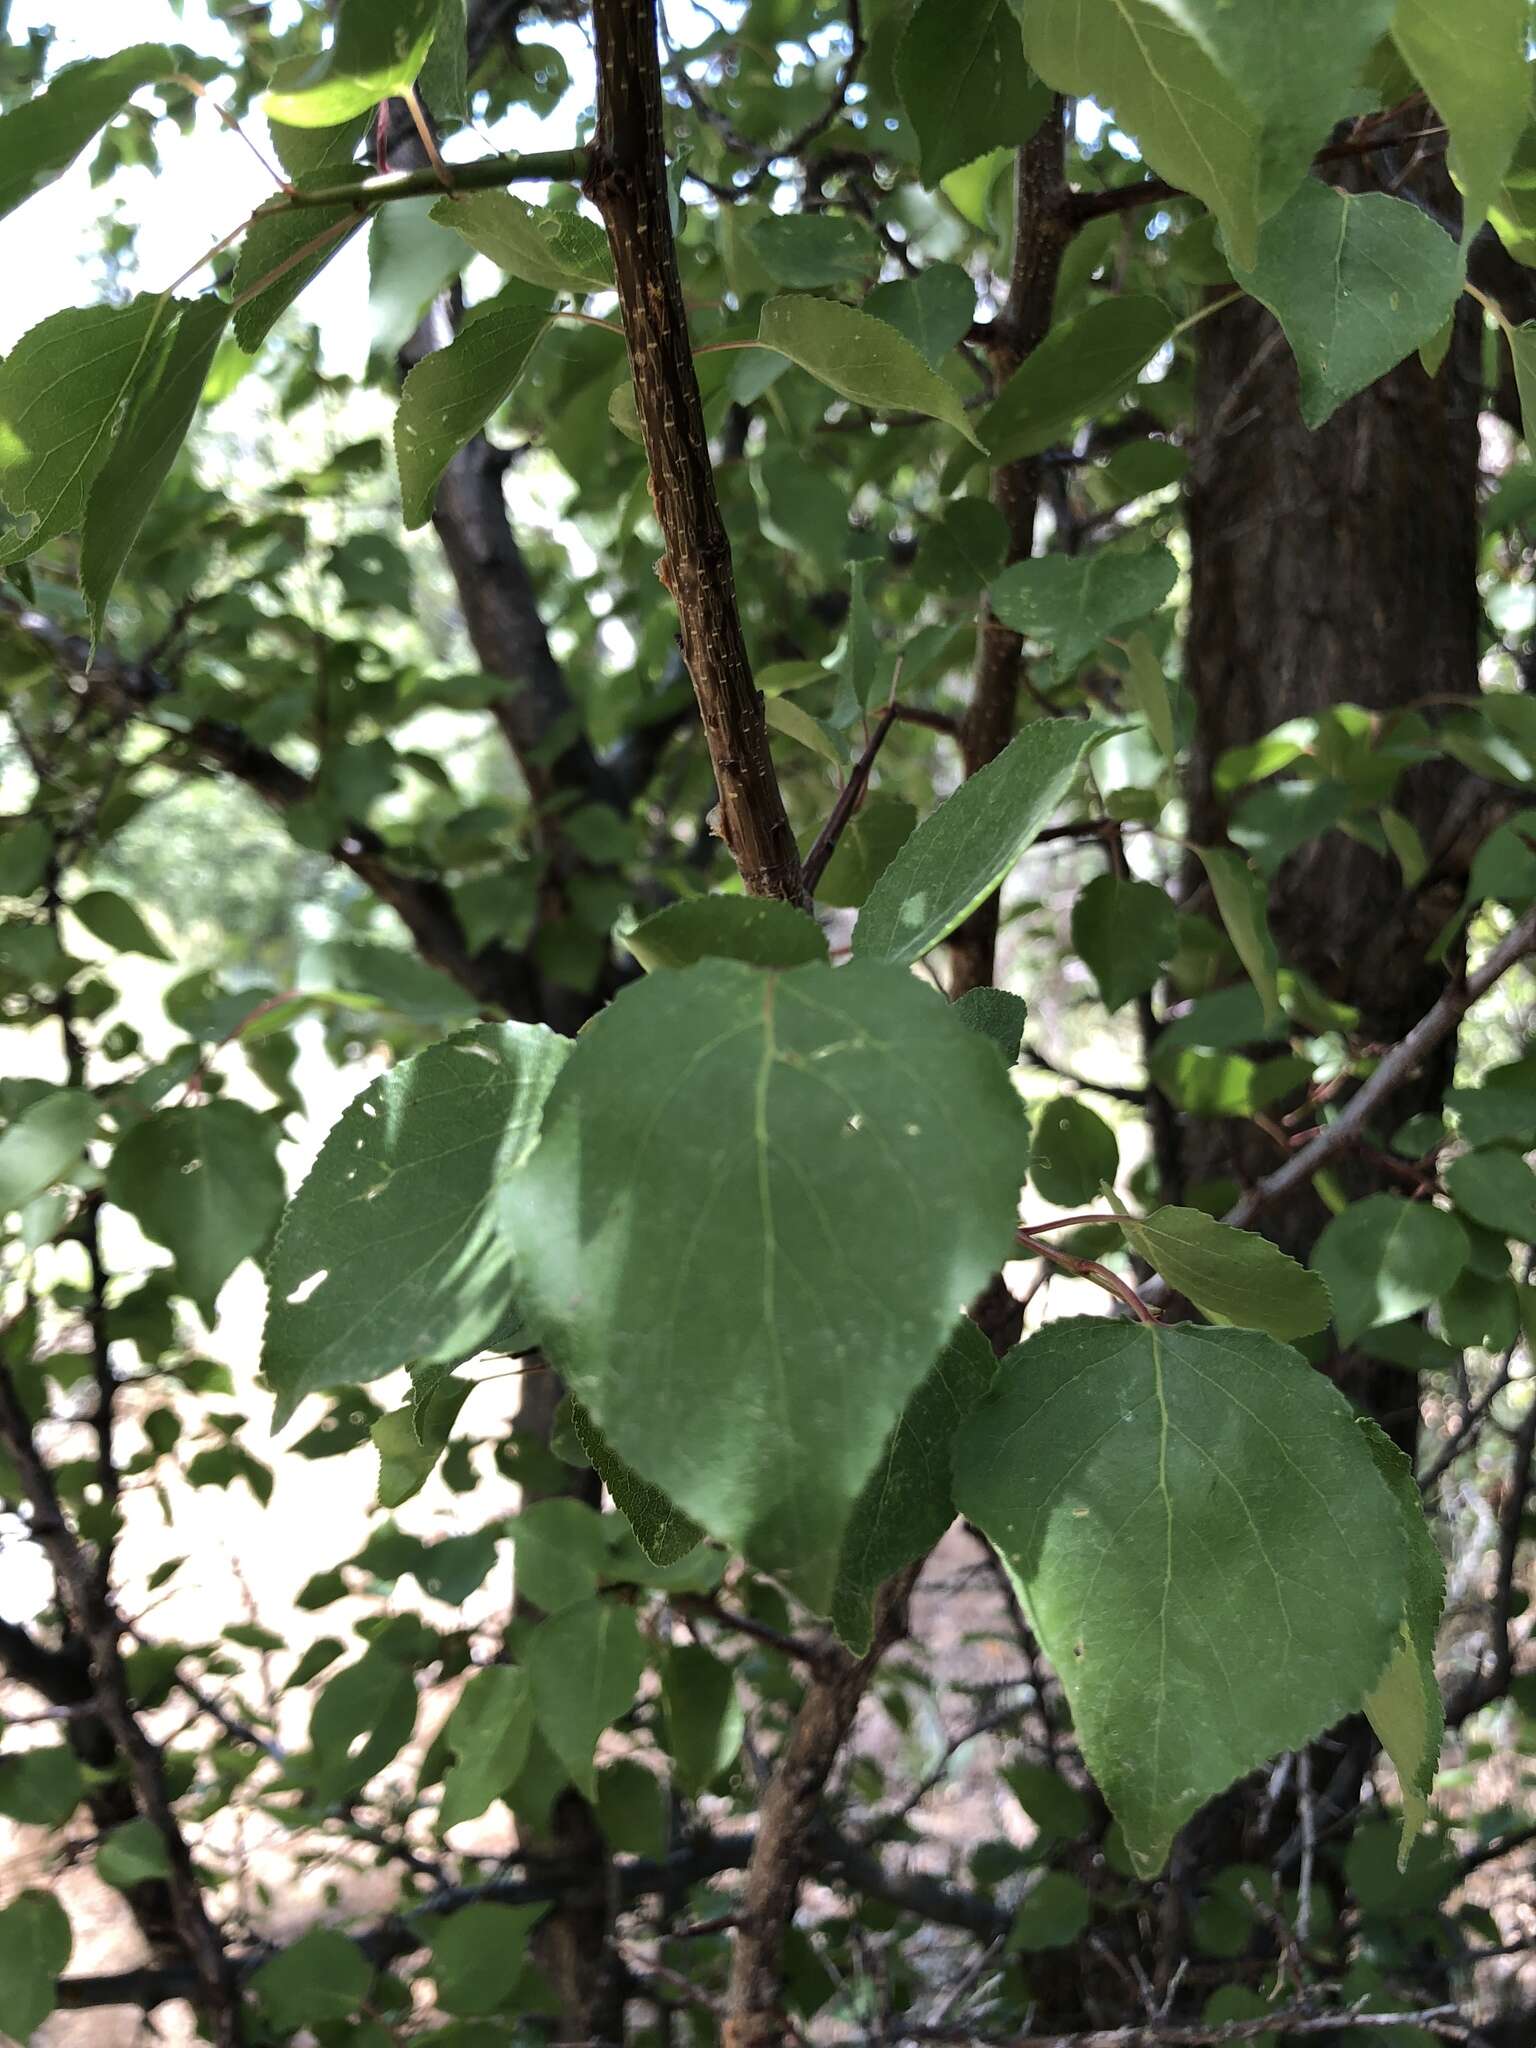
1040	241
628	183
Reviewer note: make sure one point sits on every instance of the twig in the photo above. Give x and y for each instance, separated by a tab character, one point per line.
804	1651
1290	2021
1395	1067
848	800
553	166
1090	1269
101	1627
628	182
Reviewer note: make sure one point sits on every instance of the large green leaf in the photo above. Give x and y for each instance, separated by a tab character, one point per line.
956	858
398	1216
1357	280
1404	1705
449	395
1125	933
164	399
1072	1152
1497	1189
555	249
1080	368
804	250
1072	602
283	252
1242	900
1384	1259
965	84
1231	1276
40	139
1193	128
489	1732
1471	64
117	923
63	388
378	49
205	1183
704	1720
861	358
933	310
1295	63
44	1143
750	928
322	1977
35	1944
908	1500
411	259
758	1201
1203	1545
584	1668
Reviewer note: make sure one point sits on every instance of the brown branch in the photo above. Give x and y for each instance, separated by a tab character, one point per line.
1041	236
1396	1066
101	1628
848	801
787	1826
628	183
1291	2021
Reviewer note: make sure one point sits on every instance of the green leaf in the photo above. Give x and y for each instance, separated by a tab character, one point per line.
1295	63
205	1183
489	1732
861	358
1053	1912
41	1787
1125	933
556	249
35	1944
800	1173
411	1440
478	1954
1202	1544
62	392
41	138
965	84
1072	602
869	842
1472	69
662	1531
1073	1152
998	1016
1193	129
165	396
957	857
131	1854
1384	1259
321	1977
1242	900
704	1719
44	1144
1147	687
805	250
398	1216
1404	1706
1077	372
25	851
908	1500
1497	1189
1231	1276
444	82
934	310
965	549
449	395
584	1668
377	51
754	929
283	252
113	919
362	1720
411	258
1056	1808
1357	280
785	716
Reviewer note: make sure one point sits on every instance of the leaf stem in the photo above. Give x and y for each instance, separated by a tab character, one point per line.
550	166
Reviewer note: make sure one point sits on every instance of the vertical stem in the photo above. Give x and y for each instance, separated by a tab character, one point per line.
628	183
1042	230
